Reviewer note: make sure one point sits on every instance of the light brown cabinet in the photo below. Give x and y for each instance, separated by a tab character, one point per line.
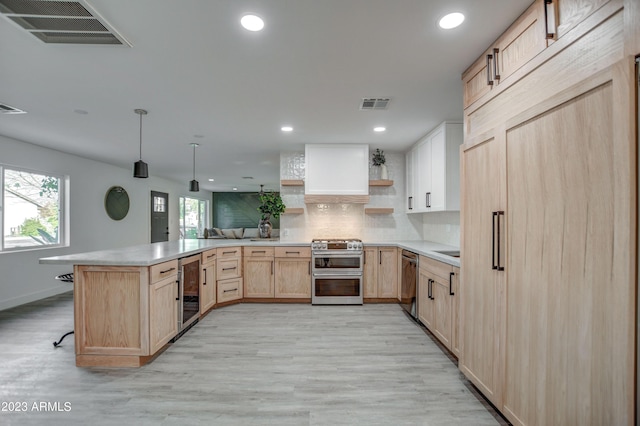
229	274
524	39
163	312
208	280
564	15
380	274
259	272
293	272
438	301
548	283
425	304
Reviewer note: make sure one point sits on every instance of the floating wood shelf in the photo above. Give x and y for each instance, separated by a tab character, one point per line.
378	210
292	182
381	182
294	210
336	199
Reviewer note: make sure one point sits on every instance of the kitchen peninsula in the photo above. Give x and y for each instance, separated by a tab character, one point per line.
126	301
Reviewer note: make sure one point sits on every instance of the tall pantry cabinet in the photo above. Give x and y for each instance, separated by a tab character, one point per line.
548	230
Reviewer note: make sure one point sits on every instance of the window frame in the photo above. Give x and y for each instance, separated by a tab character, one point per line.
181	211
63	207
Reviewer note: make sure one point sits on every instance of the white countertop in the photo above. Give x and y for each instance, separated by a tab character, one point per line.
150	254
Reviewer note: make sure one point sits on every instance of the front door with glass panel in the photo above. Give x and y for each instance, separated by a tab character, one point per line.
159	216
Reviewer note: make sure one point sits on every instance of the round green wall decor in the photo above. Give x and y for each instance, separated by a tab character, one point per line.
116	202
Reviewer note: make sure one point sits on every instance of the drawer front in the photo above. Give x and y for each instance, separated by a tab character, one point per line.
229	290
258	251
209	256
228	268
293	251
163	270
436	267
229	252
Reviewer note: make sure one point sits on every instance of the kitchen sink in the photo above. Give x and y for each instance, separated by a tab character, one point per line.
452	253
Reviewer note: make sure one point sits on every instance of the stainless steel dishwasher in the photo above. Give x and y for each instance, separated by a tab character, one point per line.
409	282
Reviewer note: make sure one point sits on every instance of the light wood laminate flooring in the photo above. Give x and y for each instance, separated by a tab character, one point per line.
248	364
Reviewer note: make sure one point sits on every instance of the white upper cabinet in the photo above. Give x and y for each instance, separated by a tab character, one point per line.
433	171
337	169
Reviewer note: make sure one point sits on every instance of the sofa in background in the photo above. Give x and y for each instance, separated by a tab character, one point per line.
238	233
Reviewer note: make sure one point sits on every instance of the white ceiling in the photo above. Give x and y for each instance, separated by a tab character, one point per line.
198	72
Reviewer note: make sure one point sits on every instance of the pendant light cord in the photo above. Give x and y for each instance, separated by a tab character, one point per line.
140	137
194	162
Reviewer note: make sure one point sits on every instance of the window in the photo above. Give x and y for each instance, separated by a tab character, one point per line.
194	217
159	205
32	209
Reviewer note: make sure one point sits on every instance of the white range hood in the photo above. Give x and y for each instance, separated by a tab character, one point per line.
336	173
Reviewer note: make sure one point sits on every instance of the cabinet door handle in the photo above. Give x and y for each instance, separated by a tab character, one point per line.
292	252
496	68
451	274
229	252
272	267
228	291
548	34
258	251
431	289
498	263
489	81
309	271
428	199
229	269
493	240
204	281
168	270
410	203
210	256
178	282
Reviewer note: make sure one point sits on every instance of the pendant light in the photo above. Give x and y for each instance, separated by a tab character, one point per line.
140	168
194	186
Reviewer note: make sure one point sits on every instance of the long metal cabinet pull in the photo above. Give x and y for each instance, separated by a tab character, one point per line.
410	203
429	289
549	35
496	75
204	281
493	240
427	198
451	274
499	267
489	81
178	282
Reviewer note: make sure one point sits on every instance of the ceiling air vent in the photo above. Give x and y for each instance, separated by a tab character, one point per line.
6	109
67	22
374	103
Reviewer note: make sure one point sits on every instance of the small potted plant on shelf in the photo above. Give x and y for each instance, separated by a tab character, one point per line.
379	160
270	205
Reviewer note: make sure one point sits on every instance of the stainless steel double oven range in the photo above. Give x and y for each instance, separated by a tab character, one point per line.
337	272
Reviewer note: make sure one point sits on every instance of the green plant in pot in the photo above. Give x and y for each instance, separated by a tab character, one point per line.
378	159
271	205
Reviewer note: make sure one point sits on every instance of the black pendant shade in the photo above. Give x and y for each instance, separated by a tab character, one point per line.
140	168
194	186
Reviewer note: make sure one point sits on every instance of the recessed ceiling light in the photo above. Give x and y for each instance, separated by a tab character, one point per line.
81	111
211	179
379	129
451	20
286	129
252	22
235	189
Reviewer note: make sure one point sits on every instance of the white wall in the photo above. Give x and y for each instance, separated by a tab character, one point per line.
22	278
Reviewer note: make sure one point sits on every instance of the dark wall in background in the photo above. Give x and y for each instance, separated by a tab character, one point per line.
237	210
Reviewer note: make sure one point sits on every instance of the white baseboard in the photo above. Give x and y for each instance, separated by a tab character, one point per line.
32	297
